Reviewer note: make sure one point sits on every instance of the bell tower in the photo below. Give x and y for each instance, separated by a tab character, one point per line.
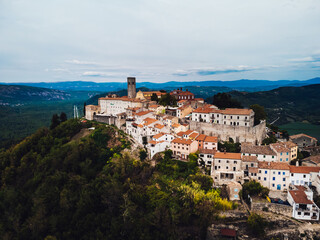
131	87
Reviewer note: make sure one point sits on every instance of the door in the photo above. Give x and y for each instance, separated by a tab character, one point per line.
279	187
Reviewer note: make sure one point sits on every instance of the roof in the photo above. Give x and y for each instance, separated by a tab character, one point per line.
227	155
252	149
302	135
143	113
279	147
208	151
188	132
211	139
228	232
193	135
249	159
303	169
274	165
182	141
237	111
159	126
180	134
300	196
154	106
206	110
289	144
315	159
125	98
201	137
175	125
159	135
148	121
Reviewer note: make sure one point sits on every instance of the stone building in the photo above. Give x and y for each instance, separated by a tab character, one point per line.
131	81
303	140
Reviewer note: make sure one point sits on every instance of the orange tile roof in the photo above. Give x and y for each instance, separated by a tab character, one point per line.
159	126
211	139
124	98
201	137
300	197
154	106
152	142
143	113
206	110
208	151
188	132
175	125
274	165
193	135
182	141
253	170
148	121
180	134
279	147
303	169
158	135
227	155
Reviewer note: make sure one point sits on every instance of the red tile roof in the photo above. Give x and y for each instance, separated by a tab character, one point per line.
274	165
201	137
303	169
183	141
211	139
300	197
227	155
143	113
159	135
237	111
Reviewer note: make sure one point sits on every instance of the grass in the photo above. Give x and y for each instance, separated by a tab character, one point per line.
300	127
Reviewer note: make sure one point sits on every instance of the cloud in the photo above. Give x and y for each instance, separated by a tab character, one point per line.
181	73
79	62
215	70
315	58
101	74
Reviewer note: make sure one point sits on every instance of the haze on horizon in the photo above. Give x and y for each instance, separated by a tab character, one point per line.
158	41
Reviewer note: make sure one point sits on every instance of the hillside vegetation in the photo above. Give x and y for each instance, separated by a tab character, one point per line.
54	186
290	104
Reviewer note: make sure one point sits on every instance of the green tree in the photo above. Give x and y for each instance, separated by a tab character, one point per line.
256	224
55	121
154	97
143	155
224	100
63	117
254	188
168	100
259	113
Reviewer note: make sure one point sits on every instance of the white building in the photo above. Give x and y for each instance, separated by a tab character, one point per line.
263	153
206	155
274	175
114	106
226	167
303	207
303	175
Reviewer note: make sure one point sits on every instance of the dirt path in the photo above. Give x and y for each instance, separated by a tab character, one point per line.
83	132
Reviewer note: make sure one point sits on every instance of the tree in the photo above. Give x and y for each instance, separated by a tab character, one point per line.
224	100
63	117
256	224
154	97
259	113
55	121
143	155
254	188
168	100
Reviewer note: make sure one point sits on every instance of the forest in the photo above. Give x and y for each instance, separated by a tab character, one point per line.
56	184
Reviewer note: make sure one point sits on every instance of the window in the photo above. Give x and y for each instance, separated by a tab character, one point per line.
291	174
272	156
264	156
236	189
265	179
272	184
284	179
259	178
227	167
279	173
287	159
281	154
238	117
299	213
274	172
259	171
273	178
236	196
287	153
304	176
284	173
235	162
284	185
265	172
234	168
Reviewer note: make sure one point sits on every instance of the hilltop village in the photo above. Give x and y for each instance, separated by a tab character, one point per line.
192	126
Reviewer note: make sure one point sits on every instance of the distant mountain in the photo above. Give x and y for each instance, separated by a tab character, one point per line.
241	85
289	104
18	94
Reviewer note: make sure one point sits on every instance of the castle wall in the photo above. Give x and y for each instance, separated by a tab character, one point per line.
254	134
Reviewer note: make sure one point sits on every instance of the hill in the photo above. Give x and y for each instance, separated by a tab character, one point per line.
56	185
289	104
241	85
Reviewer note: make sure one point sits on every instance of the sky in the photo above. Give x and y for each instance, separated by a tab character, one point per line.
158	40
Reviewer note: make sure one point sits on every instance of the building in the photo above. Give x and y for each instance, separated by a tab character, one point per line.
159	143
148	95
263	152
303	140
91	110
115	105
233	189
184	111
210	143
182	95
131	82
303	207
303	175
283	151
274	175
229	116
206	156
181	148
226	167
249	162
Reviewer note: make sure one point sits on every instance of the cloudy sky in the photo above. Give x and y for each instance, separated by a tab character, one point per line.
158	40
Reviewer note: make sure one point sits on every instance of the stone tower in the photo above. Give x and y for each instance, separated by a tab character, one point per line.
131	87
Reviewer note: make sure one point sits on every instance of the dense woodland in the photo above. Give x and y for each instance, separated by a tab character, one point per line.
56	185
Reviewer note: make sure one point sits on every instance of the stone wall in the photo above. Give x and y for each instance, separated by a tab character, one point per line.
117	121
273	207
254	134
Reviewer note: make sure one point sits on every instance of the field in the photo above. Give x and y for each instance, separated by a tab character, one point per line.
299	127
